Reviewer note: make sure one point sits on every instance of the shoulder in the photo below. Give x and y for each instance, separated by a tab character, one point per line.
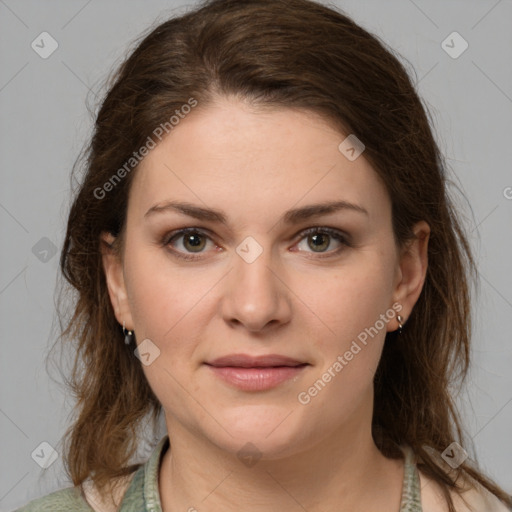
84	498
69	499
474	498
121	489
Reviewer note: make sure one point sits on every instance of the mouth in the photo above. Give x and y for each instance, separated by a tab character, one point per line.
258	373
247	361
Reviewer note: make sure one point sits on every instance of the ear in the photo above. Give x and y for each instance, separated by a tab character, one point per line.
113	268
412	270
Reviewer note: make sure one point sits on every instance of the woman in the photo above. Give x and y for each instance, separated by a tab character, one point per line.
265	252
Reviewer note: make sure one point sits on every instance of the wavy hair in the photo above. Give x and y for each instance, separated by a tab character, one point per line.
277	53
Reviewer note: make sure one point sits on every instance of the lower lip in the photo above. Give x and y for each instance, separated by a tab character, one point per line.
256	379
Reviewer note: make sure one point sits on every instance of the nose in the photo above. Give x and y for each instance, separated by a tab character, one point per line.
255	294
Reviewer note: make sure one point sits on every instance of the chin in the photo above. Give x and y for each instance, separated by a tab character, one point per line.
270	431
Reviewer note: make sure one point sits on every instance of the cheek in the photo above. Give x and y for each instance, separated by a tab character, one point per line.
162	296
165	302
350	302
349	351
351	299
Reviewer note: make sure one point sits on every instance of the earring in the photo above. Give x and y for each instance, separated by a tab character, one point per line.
400	326
128	336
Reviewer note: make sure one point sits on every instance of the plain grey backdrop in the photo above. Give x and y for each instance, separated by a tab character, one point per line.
44	123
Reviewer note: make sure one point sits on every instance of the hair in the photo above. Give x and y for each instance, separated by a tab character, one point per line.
278	54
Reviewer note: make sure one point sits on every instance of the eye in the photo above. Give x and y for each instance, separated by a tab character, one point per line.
189	241
319	239
193	241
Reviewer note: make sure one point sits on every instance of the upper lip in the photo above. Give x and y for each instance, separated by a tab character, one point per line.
247	361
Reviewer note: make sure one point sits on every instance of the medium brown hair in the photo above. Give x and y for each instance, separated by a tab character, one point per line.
276	53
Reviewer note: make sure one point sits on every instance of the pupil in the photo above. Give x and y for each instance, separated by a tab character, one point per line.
190	240
321	237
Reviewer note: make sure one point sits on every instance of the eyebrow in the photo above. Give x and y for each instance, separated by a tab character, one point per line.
293	216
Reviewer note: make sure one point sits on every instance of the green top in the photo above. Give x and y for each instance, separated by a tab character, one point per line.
142	494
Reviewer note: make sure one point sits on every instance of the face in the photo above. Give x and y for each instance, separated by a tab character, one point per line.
260	276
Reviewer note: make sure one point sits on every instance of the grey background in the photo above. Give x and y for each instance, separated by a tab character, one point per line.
44	123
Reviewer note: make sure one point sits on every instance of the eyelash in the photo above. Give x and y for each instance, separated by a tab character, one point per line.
334	233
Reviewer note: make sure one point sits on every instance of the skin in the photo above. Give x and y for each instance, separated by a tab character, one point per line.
255	164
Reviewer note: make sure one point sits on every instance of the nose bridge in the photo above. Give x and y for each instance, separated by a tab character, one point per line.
255	295
252	273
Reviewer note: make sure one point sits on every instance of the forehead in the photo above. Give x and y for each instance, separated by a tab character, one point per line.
233	156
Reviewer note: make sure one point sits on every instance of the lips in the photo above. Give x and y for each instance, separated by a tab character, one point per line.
247	361
256	373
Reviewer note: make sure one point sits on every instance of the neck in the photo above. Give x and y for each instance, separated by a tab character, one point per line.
344	471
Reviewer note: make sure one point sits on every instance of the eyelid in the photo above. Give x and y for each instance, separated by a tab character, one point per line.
334	232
